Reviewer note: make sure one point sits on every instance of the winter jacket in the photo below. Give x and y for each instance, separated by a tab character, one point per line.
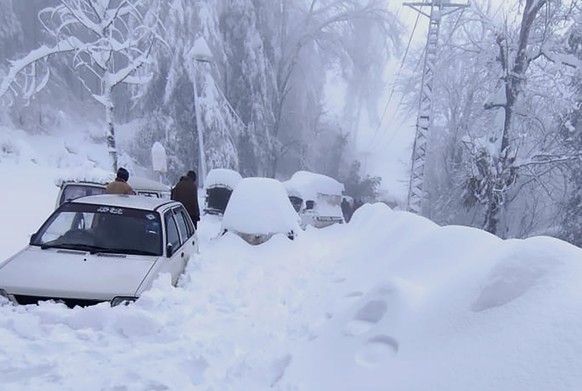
119	186
186	192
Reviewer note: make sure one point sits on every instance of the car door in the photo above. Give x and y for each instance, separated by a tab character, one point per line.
187	231
176	261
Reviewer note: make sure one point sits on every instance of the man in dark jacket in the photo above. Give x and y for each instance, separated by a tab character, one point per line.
186	192
119	185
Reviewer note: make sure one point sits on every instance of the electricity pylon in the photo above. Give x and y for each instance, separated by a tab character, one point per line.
437	10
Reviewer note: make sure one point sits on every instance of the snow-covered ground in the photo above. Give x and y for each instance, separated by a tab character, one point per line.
389	301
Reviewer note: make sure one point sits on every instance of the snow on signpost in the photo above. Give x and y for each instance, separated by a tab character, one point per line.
159	159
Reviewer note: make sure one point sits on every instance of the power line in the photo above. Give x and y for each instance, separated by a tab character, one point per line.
377	131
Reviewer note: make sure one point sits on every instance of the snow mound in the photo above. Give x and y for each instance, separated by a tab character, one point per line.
260	206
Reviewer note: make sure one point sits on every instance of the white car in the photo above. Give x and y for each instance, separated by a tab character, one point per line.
101	248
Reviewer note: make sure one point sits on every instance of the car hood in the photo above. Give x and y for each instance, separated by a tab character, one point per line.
74	274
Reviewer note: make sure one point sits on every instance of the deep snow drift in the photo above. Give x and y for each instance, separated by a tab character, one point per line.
389	301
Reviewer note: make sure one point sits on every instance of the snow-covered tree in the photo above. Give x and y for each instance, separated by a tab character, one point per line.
500	88
106	42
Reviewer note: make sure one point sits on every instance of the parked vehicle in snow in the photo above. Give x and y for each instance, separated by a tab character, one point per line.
71	189
316	197
101	248
220	182
258	209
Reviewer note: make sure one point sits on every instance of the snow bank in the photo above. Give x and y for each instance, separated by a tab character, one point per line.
222	177
260	206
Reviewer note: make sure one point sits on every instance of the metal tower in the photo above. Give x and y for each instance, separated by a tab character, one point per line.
437	9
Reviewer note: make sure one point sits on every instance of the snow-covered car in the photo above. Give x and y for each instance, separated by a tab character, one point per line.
258	209
101	248
71	189
316	197
219	183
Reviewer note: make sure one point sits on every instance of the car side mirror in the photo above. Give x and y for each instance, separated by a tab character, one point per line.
169	250
33	238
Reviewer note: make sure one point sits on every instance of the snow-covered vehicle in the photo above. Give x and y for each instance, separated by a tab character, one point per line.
73	188
258	209
317	198
104	248
220	182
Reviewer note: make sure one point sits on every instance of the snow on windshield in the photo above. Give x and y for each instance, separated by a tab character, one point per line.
222	177
308	184
260	206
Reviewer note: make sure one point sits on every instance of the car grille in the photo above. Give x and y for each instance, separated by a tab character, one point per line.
23	300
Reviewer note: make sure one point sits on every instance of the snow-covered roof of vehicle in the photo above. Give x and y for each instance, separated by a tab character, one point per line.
222	177
307	185
260	206
138	183
124	201
103	177
88	175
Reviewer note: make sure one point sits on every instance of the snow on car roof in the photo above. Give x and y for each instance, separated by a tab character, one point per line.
86	174
124	201
222	177
260	206
139	183
307	184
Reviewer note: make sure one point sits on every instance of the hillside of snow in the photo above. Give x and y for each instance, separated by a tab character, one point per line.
389	301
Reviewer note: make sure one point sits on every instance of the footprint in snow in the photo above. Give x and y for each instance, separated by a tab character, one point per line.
366	317
376	351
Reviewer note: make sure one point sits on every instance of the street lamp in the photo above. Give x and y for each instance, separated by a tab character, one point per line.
200	53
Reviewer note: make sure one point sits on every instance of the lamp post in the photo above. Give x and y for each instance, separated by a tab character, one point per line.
200	53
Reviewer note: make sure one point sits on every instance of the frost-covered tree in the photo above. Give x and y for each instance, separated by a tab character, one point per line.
107	42
355	35
499	90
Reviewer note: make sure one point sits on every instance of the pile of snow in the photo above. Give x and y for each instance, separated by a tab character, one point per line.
307	185
388	301
260	206
222	177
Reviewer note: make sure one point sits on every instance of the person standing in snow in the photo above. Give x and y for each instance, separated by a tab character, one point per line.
186	192
120	185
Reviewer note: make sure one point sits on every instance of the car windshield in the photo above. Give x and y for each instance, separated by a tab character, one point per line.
74	191
102	229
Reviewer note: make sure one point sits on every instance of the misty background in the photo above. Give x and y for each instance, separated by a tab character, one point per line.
330	86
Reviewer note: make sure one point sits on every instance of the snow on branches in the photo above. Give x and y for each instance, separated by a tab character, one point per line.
103	40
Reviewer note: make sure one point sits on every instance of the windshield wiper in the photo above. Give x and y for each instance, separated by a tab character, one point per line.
128	251
71	246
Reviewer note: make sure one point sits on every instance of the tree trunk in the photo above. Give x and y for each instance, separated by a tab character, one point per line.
513	79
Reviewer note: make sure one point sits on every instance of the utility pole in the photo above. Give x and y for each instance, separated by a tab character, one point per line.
437	10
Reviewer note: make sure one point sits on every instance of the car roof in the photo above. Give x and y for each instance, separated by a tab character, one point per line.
125	201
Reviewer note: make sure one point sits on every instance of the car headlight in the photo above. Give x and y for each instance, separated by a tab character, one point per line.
122	300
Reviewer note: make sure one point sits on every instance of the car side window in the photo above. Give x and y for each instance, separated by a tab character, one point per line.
182	225
188	220
172	236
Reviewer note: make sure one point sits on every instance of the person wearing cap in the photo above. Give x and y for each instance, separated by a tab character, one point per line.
120	185
186	192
